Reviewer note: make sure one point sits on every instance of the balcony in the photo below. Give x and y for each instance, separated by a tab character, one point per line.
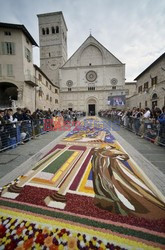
31	80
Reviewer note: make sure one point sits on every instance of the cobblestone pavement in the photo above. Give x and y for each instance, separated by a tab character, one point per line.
155	154
32	151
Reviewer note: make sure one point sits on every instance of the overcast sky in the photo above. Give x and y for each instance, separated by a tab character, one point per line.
133	30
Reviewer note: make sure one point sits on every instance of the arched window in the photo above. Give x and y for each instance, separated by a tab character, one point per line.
47	31
43	31
53	30
154	96
57	29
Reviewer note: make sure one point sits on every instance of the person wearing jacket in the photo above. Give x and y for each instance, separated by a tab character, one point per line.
161	120
3	131
161	117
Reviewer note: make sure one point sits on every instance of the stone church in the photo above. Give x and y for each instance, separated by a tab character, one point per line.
89	78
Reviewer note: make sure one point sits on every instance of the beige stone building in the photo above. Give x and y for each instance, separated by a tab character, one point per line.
21	82
89	78
47	94
130	89
150	86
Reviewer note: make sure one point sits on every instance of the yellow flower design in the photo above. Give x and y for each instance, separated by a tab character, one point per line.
48	241
45	231
60	247
72	243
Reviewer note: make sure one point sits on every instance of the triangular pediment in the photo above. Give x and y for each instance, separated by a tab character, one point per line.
91	52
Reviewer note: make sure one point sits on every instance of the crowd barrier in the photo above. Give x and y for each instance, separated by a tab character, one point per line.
13	134
145	128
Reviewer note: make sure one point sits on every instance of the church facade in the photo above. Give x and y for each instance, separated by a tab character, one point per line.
89	78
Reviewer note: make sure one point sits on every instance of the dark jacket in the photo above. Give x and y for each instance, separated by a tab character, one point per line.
161	119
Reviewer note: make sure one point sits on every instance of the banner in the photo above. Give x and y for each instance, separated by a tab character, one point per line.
116	101
56	123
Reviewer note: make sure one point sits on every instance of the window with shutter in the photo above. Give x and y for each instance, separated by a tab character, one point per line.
154	81
9	70
4	48
7	48
27	54
145	86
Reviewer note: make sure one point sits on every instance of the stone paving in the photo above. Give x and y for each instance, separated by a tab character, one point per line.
17	161
154	172
155	154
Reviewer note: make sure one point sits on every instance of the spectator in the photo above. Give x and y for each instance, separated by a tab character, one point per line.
11	126
142	122
9	116
27	115
145	121
137	117
3	131
161	117
23	125
161	120
18	115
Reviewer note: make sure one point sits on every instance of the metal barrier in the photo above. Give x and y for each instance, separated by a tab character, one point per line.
13	134
145	128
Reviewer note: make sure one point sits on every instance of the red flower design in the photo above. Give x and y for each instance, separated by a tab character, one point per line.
60	234
40	239
82	205
63	230
12	245
28	243
2	231
19	230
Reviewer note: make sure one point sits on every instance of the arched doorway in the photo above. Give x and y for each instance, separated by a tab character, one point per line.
70	106
91	106
8	94
154	100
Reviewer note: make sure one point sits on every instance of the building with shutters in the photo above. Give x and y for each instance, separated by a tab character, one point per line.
150	86
23	84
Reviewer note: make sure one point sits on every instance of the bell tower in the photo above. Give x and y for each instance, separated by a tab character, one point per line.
53	44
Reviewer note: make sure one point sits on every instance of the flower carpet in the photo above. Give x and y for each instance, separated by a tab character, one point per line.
86	193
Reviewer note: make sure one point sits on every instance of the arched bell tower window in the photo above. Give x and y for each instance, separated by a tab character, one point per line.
57	29
53	30
47	31
43	31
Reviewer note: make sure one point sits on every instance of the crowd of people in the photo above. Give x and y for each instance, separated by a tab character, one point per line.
18	127
143	122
